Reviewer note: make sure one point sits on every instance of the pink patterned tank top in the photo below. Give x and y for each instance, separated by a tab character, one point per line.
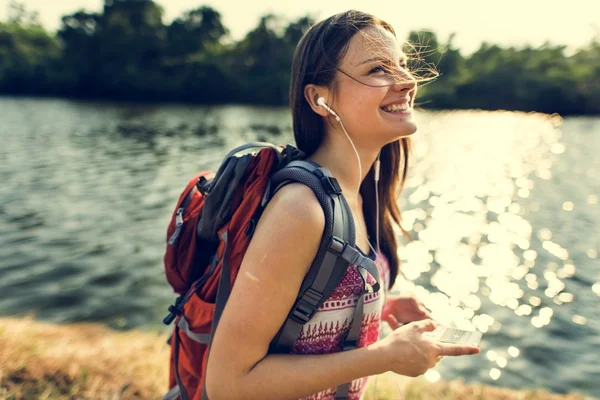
323	334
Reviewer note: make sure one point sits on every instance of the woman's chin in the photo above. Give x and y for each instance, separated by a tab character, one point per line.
402	123
406	129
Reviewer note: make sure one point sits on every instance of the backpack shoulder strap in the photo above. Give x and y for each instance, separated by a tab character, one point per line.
336	251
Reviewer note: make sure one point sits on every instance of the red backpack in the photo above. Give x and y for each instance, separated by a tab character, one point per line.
207	238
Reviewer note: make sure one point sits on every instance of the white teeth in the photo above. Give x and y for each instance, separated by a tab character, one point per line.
396	107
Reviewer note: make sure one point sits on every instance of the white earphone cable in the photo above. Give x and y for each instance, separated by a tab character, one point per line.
377	167
321	101
359	181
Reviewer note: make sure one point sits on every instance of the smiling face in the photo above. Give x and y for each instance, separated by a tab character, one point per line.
373	91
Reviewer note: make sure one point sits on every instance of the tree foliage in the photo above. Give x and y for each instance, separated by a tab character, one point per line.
127	52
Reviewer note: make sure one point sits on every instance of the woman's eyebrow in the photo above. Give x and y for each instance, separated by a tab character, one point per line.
401	59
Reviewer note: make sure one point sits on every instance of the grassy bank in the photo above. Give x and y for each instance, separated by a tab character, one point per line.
86	361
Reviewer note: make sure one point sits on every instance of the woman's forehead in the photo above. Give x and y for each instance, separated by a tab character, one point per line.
372	43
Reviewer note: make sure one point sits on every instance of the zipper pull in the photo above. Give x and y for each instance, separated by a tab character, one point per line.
178	224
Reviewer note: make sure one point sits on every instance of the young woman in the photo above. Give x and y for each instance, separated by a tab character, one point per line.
354	62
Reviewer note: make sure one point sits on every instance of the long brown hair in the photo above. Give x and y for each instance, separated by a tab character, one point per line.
316	59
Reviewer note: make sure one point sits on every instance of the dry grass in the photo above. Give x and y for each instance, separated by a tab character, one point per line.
85	361
391	386
81	361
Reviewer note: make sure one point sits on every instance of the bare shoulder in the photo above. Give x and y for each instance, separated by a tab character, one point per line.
296	203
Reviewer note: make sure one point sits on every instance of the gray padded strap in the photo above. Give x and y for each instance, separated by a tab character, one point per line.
222	296
224	284
172	394
364	264
291	329
308	165
342	392
251	145
313	295
351	342
203	338
182	393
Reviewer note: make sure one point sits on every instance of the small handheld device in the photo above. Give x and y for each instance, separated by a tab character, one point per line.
454	335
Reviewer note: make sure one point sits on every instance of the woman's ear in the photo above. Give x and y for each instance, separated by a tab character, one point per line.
311	93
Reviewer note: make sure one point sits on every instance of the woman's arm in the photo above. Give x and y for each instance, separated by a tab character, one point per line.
282	249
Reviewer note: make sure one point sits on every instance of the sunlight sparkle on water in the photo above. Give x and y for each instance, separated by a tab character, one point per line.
579	320
495	373
558	148
432	375
537	322
555	249
513	351
567	206
566	297
501	361
535	301
533	285
567	271
545	234
523	309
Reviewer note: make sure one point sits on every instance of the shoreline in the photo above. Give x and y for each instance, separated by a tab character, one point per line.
42	360
181	103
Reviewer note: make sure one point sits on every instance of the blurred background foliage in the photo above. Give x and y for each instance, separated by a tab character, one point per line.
126	52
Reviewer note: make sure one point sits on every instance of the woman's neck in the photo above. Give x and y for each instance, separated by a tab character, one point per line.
339	157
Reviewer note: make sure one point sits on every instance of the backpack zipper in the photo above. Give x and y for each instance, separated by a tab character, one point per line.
178	224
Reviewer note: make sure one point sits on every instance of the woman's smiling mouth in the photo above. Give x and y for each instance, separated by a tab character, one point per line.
400	106
395	108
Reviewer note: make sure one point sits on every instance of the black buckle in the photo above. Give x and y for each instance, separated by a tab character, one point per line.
306	306
337	245
331	185
202	185
174	311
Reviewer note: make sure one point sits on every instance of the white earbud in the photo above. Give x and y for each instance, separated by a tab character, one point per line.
322	103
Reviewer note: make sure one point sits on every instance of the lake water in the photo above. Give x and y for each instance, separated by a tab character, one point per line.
503	208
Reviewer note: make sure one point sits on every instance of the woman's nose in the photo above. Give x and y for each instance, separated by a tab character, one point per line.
406	85
404	80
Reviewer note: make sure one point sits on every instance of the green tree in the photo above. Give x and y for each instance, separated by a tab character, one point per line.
196	61
264	59
116	53
28	54
200	29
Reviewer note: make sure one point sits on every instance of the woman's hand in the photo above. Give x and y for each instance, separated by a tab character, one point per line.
407	352
403	309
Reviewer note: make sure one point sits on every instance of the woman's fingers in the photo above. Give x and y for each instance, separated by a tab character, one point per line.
393	322
453	350
425	325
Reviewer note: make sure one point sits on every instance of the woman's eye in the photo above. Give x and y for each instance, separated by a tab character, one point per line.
386	69
377	69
